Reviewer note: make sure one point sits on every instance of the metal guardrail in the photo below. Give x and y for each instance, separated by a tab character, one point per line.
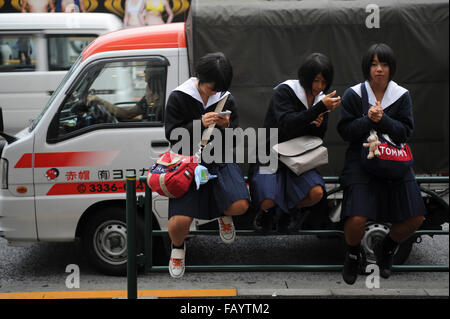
146	258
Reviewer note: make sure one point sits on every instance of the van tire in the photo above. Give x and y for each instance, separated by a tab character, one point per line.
109	224
104	240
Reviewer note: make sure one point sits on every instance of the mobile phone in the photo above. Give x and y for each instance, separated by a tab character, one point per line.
225	113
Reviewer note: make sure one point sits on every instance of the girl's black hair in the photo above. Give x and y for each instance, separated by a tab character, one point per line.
384	54
314	64
216	68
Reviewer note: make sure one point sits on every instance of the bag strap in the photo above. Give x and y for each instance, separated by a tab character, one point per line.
364	99
207	133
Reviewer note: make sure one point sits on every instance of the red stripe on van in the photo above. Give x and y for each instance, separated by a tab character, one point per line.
26	161
67	159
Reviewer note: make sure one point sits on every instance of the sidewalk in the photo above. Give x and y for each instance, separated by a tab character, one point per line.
250	285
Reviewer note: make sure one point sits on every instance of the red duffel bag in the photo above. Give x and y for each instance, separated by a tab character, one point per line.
172	174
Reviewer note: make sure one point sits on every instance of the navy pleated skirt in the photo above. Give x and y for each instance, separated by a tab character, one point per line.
383	201
213	198
284	187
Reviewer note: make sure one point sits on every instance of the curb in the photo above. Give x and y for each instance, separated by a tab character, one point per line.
234	293
352	293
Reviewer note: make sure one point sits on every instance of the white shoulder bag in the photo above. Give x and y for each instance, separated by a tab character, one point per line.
302	153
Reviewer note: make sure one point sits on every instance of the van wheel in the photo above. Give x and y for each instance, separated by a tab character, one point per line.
105	241
104	238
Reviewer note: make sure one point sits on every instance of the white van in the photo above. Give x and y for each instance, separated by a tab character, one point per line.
36	50
64	176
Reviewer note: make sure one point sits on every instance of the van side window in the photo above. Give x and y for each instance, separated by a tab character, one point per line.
63	50
115	94
17	53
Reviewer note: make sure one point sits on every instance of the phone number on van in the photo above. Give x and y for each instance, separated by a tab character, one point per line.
91	188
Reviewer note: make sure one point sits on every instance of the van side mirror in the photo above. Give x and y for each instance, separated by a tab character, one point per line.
10	139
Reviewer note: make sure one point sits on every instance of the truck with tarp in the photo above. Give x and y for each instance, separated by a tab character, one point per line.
63	177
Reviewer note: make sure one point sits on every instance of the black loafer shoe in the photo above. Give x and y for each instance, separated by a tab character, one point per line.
283	224
263	221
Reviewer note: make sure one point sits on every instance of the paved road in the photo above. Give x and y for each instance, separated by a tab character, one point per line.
42	267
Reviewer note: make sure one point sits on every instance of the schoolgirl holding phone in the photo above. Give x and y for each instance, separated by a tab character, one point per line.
298	107
224	196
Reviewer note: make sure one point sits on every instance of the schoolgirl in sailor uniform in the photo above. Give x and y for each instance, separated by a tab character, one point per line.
224	196
297	108
210	200
365	196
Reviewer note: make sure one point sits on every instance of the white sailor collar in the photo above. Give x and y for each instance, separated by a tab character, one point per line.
190	89
300	92
391	95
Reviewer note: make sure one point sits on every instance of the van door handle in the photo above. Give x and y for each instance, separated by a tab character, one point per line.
50	92
160	144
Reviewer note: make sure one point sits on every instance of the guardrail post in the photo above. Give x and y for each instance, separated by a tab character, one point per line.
148	242
131	237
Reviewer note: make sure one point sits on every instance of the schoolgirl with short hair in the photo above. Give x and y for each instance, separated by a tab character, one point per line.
224	196
298	107
368	197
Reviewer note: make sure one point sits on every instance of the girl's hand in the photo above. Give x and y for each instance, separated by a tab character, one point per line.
209	119
331	102
375	112
223	121
319	120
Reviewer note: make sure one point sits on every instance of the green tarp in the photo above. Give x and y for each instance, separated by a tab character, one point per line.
267	40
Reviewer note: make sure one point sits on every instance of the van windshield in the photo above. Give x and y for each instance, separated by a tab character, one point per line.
35	122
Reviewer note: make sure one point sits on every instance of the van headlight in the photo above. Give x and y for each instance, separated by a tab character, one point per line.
4	173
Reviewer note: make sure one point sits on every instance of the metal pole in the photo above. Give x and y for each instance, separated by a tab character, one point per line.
148	248
131	237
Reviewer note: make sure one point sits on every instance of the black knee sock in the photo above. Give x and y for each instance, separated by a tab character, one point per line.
178	247
270	210
389	244
354	250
